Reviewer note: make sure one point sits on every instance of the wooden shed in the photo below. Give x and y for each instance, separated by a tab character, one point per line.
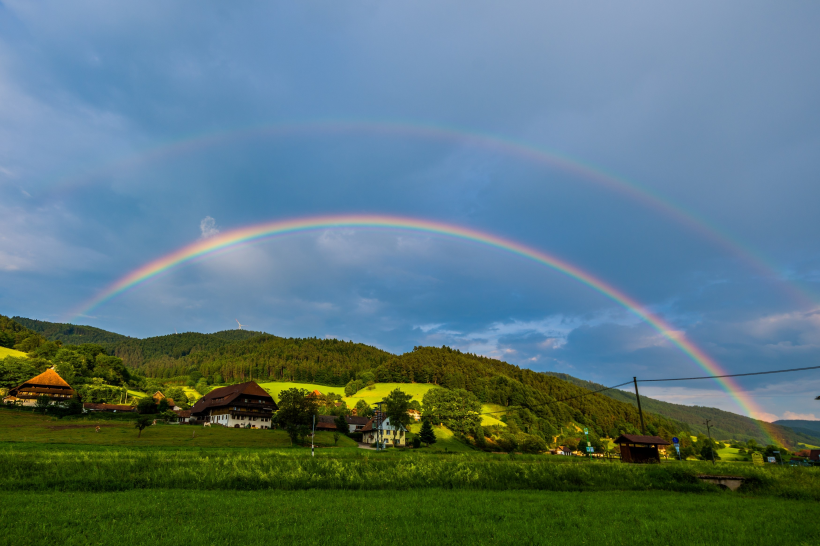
640	449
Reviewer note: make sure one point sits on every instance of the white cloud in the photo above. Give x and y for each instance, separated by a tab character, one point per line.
800	416
208	227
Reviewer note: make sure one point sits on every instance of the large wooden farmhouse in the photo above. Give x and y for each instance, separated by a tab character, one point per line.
48	383
246	405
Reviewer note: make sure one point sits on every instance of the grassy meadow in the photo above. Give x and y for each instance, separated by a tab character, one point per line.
4	352
428	516
27	427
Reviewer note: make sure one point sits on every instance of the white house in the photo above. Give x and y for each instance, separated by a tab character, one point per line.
386	433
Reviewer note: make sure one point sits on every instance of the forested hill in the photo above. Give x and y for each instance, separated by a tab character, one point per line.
135	352
727	425
801	425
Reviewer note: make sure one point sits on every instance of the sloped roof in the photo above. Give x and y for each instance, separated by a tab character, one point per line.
355	420
48	377
108	407
385	425
49	381
637	439
224	396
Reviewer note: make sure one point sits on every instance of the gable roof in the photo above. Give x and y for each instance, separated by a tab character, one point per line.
371	425
355	420
224	396
638	439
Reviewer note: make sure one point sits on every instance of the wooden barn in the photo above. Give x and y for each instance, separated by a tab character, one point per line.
48	383
640	449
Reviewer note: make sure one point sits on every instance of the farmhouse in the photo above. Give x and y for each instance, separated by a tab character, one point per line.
374	432
325	422
640	449
246	405
48	383
415	414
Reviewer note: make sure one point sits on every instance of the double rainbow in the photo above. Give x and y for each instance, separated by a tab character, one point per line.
255	233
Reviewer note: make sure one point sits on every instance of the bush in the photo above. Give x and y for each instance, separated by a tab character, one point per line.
416	442
533	444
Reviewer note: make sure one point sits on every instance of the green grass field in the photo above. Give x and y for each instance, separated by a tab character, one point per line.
20	426
431	516
445	440
381	390
4	352
275	387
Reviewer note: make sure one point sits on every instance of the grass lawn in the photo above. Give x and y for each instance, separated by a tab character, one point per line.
445	440
381	390
426	516
488	420
4	352
275	387
730	454
19	426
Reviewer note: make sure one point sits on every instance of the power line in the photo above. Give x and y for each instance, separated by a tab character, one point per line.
561	400
730	375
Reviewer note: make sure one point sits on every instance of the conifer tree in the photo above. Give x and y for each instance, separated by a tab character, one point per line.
427	435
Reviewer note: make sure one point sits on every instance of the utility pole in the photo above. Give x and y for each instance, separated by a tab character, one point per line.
379	426
711	445
312	437
640	411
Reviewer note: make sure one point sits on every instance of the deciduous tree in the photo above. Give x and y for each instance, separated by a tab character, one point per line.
296	411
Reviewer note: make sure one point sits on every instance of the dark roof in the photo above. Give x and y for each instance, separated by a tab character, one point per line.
637	439
108	407
225	396
355	420
370	425
182	414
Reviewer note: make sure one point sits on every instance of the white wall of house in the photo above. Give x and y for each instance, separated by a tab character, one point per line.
230	421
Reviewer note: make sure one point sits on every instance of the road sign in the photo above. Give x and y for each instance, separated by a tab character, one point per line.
677	448
590	450
587	432
757	459
589	444
775	452
675	440
772	460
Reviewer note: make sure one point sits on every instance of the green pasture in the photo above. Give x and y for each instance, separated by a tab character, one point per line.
729	454
445	440
381	390
427	516
22	426
276	387
4	352
494	417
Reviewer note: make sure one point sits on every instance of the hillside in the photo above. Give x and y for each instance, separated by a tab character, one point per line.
135	352
727	425
801	425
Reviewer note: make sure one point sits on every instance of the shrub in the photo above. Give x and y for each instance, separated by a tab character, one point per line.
533	444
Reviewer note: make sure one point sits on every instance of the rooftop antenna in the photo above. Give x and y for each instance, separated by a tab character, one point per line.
240	325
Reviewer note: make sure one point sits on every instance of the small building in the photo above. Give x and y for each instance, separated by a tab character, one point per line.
415	414
48	383
326	423
183	416
640	449
374	432
114	408
355	423
158	396
814	455
245	405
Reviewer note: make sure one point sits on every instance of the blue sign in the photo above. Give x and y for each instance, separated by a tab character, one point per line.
590	450
675	440
586	431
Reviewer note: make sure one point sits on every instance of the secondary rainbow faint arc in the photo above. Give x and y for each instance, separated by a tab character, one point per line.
498	143
261	231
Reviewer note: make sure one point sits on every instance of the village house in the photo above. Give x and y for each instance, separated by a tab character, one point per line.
246	405
48	383
158	396
640	449
356	424
183	416
385	432
415	414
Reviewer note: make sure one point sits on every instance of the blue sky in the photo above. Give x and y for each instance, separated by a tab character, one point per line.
710	106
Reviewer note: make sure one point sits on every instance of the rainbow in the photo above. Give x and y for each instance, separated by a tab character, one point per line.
259	232
496	143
